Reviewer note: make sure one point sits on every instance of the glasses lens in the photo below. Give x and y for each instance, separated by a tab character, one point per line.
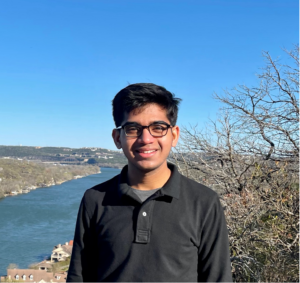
132	131
158	130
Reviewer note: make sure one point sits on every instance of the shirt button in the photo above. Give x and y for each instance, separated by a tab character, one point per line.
144	214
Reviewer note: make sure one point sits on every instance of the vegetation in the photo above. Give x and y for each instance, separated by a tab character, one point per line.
23	151
61	265
12	266
16	175
251	156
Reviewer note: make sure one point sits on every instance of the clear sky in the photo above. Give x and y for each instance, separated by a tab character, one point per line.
62	61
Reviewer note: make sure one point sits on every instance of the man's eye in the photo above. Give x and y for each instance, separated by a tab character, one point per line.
158	128
131	129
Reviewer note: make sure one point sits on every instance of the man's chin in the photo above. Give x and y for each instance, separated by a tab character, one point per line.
147	166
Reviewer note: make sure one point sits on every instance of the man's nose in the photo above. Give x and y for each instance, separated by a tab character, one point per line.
145	136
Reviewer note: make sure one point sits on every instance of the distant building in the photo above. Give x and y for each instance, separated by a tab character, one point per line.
62	252
44	265
42	272
33	275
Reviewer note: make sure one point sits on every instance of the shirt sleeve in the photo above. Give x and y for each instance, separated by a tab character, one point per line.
83	259
214	259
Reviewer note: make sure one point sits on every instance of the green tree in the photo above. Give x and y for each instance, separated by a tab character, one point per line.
92	161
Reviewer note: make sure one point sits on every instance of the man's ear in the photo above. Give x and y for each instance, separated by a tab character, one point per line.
175	133
116	137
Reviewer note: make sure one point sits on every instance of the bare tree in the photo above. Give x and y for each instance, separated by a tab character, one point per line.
250	155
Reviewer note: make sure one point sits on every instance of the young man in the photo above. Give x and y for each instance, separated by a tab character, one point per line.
149	223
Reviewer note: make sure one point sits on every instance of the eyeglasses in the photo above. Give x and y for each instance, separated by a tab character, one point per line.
135	130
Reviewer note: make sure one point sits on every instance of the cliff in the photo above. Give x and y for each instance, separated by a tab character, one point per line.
18	176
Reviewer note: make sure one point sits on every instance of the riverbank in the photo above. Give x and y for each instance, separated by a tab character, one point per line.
26	190
20	177
31	224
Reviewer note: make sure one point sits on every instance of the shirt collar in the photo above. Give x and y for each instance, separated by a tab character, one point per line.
171	188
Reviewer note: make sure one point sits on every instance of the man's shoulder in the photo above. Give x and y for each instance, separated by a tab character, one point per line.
98	192
200	199
197	190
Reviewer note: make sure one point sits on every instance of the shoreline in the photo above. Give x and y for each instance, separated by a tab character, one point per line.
28	189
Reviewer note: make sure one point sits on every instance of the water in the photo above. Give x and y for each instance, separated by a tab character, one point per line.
32	224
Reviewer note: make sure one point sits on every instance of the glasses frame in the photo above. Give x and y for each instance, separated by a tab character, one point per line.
145	127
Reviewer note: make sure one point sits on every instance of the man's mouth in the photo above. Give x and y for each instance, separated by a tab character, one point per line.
146	151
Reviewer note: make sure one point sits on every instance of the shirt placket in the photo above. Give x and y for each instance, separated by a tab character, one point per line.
144	220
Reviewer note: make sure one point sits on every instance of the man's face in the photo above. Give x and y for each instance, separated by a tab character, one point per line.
146	153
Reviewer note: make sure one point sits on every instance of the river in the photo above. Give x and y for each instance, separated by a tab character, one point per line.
32	224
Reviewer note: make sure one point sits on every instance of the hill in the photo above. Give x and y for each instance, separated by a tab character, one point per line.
65	155
19	176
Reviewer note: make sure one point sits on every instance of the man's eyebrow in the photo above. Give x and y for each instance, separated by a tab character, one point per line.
131	123
160	122
137	124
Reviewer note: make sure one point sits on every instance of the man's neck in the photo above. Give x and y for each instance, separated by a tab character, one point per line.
144	181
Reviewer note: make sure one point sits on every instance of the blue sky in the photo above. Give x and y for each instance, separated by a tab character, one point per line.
62	62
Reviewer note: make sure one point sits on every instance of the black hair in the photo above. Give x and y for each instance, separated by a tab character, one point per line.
139	95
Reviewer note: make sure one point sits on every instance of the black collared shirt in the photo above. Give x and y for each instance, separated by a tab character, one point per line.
178	234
